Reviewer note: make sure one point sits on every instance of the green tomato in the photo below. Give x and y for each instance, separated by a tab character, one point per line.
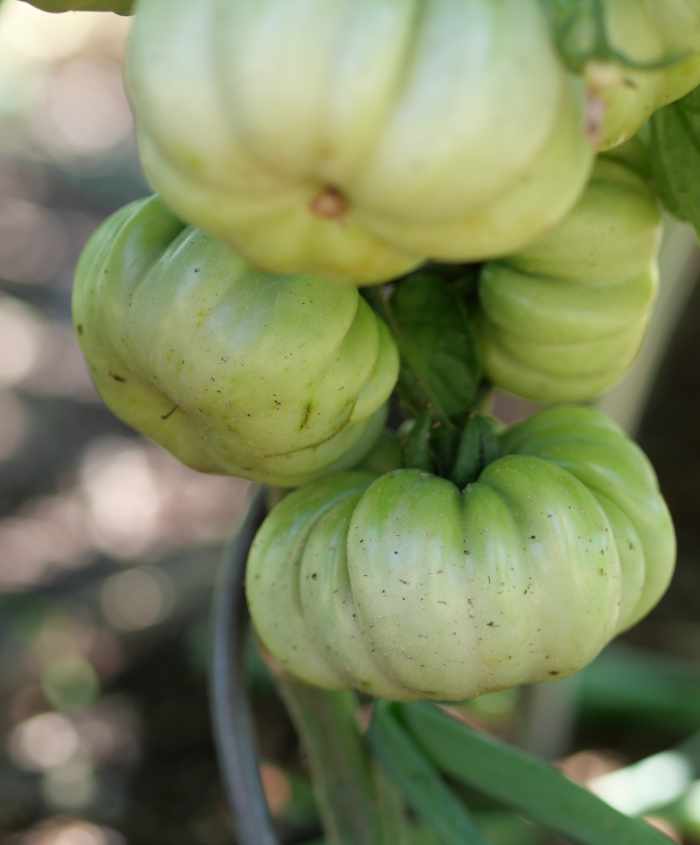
236	371
563	319
353	139
405	586
121	7
646	31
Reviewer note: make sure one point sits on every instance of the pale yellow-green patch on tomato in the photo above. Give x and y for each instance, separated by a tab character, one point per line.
353	139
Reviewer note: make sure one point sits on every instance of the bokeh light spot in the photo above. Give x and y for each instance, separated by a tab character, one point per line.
136	599
70	683
44	742
72	786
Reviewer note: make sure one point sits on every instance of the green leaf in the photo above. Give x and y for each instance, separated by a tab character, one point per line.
121	7
417	778
440	365
634	685
675	157
521	782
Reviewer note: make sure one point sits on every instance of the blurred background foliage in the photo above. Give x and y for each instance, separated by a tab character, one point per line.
108	548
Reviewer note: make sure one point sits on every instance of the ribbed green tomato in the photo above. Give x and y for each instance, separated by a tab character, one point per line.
355	138
563	319
236	371
646	31
121	7
406	587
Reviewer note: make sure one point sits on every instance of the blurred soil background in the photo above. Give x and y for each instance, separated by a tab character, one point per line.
109	548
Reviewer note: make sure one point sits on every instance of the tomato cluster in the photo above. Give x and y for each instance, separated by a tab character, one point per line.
304	150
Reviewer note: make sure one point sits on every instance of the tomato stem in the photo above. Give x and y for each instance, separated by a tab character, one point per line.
339	761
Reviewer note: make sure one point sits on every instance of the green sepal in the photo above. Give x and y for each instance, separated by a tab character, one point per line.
119	7
417	453
478	447
440	363
582	37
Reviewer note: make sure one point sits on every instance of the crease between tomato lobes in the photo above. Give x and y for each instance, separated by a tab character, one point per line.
404	586
353	139
235	371
563	319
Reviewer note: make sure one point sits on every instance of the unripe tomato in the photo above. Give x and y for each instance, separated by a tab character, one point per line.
405	586
563	319
647	32
236	371
354	139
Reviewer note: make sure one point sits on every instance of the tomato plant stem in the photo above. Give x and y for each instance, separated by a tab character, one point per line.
395	829
339	762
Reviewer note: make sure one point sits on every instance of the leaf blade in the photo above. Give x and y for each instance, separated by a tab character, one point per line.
422	786
524	783
675	157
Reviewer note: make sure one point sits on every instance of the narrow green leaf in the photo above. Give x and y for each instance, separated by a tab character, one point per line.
393	819
675	157
423	787
636	685
121	7
440	365
521	782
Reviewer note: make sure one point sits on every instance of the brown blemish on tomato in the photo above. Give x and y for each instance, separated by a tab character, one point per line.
329	204
595	118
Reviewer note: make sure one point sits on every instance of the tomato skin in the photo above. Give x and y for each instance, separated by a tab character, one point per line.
405	587
235	371
461	137
563	319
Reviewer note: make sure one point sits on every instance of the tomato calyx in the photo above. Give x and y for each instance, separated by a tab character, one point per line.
478	447
458	455
583	40
429	315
